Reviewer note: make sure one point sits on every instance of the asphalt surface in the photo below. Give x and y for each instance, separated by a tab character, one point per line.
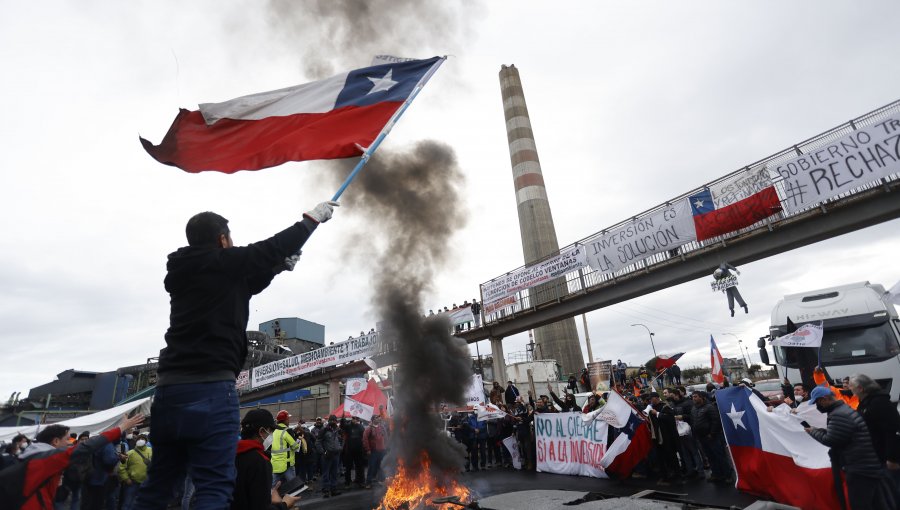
500	481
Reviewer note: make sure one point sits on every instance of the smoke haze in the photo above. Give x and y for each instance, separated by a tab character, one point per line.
333	35
412	206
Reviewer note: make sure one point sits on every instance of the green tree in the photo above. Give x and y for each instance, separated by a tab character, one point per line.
694	373
753	369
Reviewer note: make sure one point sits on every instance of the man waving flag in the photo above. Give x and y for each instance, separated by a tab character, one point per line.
338	117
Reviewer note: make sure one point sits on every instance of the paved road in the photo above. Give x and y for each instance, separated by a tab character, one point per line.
492	482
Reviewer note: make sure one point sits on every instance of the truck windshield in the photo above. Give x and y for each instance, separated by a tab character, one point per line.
848	346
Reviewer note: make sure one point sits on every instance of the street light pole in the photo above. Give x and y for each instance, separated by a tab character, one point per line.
651	338
740	348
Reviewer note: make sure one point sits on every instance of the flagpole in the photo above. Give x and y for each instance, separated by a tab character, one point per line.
387	129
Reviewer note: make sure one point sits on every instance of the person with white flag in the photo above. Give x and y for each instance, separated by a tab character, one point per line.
632	444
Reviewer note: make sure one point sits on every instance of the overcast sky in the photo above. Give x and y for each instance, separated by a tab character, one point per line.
632	103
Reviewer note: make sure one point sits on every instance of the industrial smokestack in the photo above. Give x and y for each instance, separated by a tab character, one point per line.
559	340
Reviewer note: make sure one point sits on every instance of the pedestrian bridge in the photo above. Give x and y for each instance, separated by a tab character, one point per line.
587	289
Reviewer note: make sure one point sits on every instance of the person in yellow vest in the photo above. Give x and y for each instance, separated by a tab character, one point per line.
133	470
283	447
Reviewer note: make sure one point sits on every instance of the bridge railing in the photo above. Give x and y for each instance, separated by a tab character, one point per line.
586	278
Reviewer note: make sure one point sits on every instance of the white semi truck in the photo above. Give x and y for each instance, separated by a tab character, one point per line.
861	333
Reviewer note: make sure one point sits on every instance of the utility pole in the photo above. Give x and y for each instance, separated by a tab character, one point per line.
740	349
587	338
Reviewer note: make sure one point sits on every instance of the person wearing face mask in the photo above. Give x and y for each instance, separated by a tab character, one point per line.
253	485
46	459
800	395
133	470
851	453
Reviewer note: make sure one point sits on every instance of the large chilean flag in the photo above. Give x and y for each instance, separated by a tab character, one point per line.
333	118
773	455
734	203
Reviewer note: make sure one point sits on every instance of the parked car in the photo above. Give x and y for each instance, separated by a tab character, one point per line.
771	389
695	387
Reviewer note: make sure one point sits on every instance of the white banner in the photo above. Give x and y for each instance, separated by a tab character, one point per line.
513	446
353	349
566	445
740	186
527	277
354	408
863	156
243	380
475	392
807	335
485	412
460	315
662	231
355	385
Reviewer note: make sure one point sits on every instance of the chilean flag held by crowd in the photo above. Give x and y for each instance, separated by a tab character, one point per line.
716	361
769	448
338	117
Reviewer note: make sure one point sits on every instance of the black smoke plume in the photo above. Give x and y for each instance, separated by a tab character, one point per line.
334	35
411	205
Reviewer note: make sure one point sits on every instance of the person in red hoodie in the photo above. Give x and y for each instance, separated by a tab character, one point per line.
51	454
253	485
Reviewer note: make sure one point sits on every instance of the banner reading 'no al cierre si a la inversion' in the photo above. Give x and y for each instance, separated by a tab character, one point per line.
566	445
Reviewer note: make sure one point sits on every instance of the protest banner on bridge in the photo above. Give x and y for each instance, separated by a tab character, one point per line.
461	315
661	231
354	349
494	291
862	156
566	445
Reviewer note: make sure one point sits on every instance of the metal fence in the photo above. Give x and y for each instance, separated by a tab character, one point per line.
583	279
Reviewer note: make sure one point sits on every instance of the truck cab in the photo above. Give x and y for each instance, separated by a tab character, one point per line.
861	332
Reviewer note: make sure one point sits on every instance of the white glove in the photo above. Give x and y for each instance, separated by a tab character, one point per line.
322	212
290	262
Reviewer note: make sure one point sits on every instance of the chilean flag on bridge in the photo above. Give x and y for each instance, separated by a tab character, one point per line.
774	457
735	203
337	117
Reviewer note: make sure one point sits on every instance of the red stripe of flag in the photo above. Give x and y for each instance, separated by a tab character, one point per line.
230	145
776	477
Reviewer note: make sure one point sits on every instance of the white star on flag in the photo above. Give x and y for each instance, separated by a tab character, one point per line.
736	417
697	203
383	83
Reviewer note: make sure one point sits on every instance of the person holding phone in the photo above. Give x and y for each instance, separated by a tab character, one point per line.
253	485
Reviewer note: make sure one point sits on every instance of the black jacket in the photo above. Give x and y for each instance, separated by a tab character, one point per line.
848	437
253	484
665	432
210	291
705	420
683	408
883	422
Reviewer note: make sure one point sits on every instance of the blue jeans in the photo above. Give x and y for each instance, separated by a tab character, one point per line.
128	494
285	477
375	474
330	471
194	431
